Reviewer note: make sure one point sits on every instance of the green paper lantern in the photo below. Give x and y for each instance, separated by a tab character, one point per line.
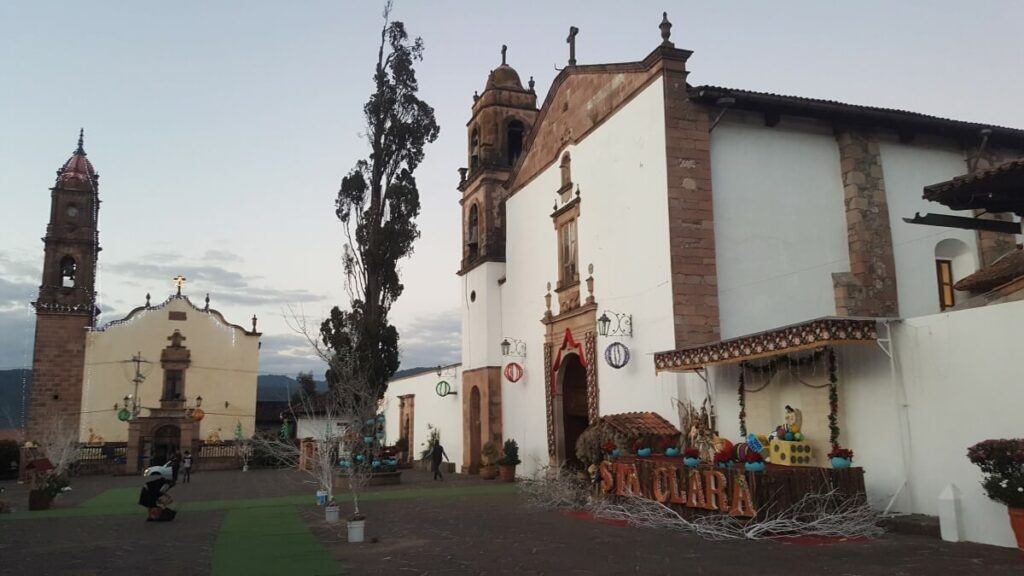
124	415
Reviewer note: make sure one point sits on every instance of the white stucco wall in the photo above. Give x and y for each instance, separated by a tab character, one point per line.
908	169
623	231
780	224
319	428
444	413
224	364
481	317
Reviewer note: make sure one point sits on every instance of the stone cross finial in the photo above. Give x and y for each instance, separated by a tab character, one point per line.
147	299
179	281
573	31
176	339
666	30
254	323
531	83
81	142
207	301
504	49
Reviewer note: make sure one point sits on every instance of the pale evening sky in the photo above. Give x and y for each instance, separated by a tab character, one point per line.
221	130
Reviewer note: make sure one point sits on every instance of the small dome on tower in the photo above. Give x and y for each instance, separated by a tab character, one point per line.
504	76
77	170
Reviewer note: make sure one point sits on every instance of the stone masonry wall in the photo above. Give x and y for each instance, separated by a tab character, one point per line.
992	245
57	366
869	288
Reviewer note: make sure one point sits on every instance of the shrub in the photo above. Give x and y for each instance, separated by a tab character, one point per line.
490	453
511	457
1002	461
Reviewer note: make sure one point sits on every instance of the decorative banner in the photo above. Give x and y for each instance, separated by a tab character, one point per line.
443	388
616	355
513	372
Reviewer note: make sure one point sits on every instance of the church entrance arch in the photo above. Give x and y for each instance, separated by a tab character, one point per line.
166	441
475	430
572	385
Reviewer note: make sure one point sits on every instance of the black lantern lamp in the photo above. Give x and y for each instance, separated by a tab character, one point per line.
603	323
506	347
199	401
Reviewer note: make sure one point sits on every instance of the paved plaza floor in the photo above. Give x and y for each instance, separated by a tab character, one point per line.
265	522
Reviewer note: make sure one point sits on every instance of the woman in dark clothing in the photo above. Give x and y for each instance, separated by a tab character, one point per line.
154	497
435	460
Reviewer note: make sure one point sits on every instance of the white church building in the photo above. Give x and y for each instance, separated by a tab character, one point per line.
637	241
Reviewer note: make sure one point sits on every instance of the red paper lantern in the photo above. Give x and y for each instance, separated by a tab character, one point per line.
513	372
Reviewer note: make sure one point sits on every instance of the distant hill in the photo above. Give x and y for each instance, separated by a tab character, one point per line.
279	388
12	385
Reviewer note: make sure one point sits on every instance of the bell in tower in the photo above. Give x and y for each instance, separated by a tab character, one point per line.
497	131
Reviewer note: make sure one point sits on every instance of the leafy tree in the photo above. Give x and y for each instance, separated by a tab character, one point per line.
307	387
377	205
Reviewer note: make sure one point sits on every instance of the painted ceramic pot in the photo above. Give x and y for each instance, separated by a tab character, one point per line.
754	467
368	439
691	462
840	462
643	452
671	452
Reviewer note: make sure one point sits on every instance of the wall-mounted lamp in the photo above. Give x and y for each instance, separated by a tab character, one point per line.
226	403
622	325
199	401
513	347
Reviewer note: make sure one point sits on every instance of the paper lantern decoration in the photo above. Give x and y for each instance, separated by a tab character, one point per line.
443	388
124	415
513	372
198	414
755	443
616	355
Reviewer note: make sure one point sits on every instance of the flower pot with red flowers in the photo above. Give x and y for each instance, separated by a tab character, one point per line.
489	454
840	457
1002	461
691	457
723	459
753	462
507	464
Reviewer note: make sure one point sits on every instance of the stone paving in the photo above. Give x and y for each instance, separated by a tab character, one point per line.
461	526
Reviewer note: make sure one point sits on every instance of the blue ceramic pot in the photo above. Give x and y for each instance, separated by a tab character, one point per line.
615	453
368	439
840	462
375	463
671	452
691	462
643	452
754	467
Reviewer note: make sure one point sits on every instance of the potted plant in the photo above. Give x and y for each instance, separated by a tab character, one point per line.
840	457
1002	461
489	454
507	464
691	457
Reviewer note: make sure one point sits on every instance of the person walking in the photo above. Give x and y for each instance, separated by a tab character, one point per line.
435	460
186	465
175	465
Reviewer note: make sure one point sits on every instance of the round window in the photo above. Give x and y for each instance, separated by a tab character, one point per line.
472	296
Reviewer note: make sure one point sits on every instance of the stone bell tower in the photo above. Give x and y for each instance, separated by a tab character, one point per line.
66	305
503	116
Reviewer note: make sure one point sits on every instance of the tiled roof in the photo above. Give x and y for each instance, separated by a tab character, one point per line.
1006	269
640	423
999	188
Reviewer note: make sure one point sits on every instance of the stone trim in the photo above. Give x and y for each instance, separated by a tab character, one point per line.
869	288
992	245
690	212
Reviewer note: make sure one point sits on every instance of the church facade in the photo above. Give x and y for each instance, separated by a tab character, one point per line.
166	377
636	242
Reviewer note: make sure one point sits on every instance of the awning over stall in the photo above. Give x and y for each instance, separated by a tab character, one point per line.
793	338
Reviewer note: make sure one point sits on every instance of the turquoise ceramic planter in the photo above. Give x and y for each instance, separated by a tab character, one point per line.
754	467
671	452
838	463
643	452
691	462
615	453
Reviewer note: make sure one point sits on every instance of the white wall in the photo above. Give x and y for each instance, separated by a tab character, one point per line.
623	232
444	413
780	223
908	169
481	317
319	428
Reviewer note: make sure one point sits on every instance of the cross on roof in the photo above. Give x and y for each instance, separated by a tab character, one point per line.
179	281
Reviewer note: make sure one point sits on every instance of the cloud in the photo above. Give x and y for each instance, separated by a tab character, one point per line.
18	287
431	339
224	285
288	354
221	256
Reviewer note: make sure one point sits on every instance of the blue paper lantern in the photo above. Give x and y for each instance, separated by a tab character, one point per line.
616	355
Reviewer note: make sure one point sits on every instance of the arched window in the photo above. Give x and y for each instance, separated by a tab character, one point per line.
954	260
514	137
473	232
566	167
474	149
68	269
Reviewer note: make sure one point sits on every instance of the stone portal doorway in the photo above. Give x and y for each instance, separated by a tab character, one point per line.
474	430
406	415
572	384
166	441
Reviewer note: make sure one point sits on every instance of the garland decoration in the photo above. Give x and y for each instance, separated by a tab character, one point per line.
833	400
742	393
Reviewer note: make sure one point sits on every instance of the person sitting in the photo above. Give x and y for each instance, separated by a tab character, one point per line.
155	498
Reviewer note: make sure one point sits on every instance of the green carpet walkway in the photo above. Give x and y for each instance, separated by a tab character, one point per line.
271	541
124	501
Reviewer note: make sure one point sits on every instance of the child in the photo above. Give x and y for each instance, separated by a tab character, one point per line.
186	464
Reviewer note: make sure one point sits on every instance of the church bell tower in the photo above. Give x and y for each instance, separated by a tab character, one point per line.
66	305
